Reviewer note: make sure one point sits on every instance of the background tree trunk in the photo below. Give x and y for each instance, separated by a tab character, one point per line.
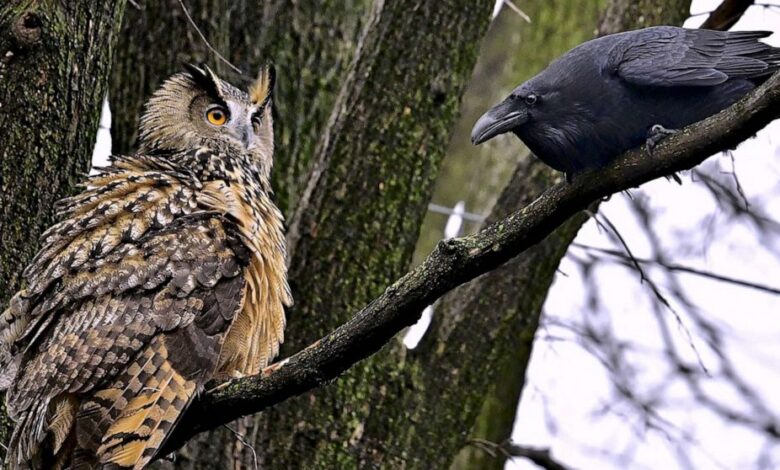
54	63
377	150
356	227
367	94
310	42
518	289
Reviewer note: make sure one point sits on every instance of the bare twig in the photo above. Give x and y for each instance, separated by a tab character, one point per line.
242	439
456	261
517	10
508	449
734	177
644	279
727	14
610	227
683	269
206	41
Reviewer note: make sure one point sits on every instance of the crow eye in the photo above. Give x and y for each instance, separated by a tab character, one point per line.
531	99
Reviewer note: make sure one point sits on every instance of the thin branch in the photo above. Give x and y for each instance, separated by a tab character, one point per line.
242	439
206	41
683	269
508	449
610	227
517	10
735	178
459	260
643	278
727	14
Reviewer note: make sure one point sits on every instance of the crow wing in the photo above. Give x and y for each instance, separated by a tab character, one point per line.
669	57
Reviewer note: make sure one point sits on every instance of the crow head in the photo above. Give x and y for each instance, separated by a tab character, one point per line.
518	110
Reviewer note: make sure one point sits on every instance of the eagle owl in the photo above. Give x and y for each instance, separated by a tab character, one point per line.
166	272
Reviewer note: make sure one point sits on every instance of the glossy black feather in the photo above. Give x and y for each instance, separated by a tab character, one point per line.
601	98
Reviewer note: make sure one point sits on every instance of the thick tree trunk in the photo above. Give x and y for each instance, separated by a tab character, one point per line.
54	64
310	42
505	306
359	219
519	288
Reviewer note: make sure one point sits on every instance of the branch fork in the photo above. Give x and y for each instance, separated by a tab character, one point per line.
459	260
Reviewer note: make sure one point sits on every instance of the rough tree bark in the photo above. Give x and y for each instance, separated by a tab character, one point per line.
375	137
371	183
310	42
54	63
393	119
518	289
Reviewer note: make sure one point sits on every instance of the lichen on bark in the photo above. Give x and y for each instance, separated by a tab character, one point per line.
54	63
510	289
356	233
311	43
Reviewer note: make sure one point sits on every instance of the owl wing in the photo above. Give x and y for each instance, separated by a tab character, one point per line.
122	321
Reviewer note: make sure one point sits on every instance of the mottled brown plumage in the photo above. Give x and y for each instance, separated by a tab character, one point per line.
166	271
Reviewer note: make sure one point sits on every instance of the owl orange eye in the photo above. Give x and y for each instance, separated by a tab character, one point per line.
217	115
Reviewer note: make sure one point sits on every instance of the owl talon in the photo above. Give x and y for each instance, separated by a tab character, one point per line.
176	199
235	375
219	387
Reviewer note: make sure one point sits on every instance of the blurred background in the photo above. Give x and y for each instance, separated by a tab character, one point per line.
659	341
667	360
642	333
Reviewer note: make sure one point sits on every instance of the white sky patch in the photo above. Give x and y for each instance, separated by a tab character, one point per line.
103	143
451	230
567	384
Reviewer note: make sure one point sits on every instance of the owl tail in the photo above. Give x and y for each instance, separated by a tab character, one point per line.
125	424
42	436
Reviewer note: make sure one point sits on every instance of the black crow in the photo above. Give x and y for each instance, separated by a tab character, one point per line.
611	94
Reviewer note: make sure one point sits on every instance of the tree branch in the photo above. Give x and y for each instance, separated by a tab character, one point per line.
727	14
509	449
631	261
456	261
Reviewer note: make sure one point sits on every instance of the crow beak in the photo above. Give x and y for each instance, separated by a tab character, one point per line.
500	119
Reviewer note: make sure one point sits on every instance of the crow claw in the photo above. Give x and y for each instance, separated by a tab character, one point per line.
655	135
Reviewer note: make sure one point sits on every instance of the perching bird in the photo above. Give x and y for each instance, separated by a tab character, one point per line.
611	94
167	271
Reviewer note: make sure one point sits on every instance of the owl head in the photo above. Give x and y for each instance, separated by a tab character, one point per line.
198	109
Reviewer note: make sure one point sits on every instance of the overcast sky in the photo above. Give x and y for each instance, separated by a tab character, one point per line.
566	385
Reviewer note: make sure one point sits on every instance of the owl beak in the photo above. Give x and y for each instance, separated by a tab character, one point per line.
247	136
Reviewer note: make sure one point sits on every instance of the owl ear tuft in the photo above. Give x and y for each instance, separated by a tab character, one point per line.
204	77
261	90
